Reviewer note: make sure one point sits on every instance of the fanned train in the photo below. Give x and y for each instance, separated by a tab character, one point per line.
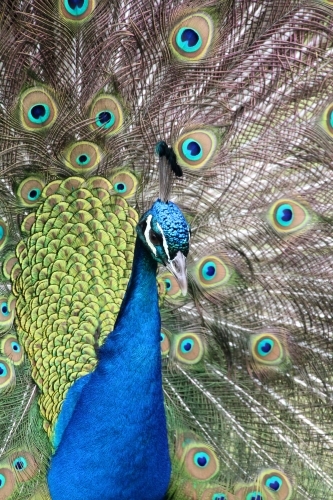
166	249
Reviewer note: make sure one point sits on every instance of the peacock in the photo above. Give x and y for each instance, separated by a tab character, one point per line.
166	249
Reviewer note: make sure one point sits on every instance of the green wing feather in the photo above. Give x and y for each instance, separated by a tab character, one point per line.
75	265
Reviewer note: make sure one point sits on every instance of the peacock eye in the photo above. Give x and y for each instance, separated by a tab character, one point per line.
24	465
191	149
194	149
2	480
106	114
168	284
188	348
274	483
82	156
3	233
12	349
277	483
105	119
83	159
15	346
76	10
20	463
7	482
188	40
201	459
7	374
265	346
38	111
201	462
154	238
4	308
191	38
267	349
254	495
3	370
165	343
124	183
30	190
288	216
186	345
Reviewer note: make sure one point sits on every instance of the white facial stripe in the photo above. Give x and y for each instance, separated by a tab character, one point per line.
165	245
146	233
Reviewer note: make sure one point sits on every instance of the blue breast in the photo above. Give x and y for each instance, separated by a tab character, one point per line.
111	432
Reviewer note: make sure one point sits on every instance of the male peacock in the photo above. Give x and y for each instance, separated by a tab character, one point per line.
241	91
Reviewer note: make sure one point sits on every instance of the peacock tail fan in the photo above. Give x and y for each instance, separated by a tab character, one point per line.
240	93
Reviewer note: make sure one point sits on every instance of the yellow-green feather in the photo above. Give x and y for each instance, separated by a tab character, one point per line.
75	264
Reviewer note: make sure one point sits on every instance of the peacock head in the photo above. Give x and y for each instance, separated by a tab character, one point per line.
166	235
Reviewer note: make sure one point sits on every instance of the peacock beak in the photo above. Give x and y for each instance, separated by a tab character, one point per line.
177	267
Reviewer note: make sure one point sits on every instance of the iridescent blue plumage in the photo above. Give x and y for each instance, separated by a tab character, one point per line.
113	420
167	219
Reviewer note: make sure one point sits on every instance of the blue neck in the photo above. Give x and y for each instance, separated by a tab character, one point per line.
112	428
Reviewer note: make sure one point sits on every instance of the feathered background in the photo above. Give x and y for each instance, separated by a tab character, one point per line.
256	389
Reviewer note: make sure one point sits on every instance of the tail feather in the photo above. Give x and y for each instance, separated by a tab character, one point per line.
247	355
